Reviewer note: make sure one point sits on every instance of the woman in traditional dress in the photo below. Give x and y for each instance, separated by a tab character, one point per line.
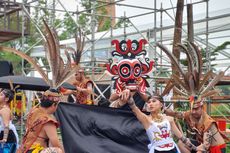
158	126
8	135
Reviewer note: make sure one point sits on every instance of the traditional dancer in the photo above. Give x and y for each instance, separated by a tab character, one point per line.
84	89
41	126
202	129
8	135
158	127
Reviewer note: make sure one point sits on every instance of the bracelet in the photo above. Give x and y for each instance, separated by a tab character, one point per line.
183	139
192	147
6	132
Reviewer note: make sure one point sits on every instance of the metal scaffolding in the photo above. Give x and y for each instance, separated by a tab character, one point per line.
153	32
156	31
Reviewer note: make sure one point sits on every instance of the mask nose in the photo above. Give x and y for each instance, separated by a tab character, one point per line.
132	77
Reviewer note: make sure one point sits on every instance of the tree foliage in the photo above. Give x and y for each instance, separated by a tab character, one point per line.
213	55
66	30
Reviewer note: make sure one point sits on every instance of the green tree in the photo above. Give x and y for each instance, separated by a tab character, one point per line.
69	28
204	59
122	23
14	59
214	53
85	20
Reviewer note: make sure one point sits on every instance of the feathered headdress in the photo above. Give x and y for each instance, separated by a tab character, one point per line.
191	83
60	71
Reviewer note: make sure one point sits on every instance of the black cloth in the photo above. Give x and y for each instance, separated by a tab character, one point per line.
93	129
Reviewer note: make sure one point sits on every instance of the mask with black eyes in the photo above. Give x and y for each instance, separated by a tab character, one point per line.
130	72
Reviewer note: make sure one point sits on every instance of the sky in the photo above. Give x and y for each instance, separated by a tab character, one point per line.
214	5
199	10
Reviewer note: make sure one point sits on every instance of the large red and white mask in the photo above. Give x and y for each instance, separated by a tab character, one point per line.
130	72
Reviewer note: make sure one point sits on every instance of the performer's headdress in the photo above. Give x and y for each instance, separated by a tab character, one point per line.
50	96
60	71
130	71
191	83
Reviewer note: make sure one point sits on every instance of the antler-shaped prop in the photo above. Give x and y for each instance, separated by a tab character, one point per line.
60	71
191	82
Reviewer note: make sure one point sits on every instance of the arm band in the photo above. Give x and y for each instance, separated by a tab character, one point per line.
183	139
6	133
190	145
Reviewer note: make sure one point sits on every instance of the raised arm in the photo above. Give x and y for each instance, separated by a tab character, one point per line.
169	112
138	113
117	101
142	117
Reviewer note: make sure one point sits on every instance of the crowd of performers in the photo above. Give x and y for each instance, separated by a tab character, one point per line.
41	126
130	93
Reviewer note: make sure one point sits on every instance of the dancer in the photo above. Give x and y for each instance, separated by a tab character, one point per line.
201	128
158	127
195	86
84	89
130	72
41	127
8	135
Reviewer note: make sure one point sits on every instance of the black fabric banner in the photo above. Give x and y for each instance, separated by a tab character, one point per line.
93	129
